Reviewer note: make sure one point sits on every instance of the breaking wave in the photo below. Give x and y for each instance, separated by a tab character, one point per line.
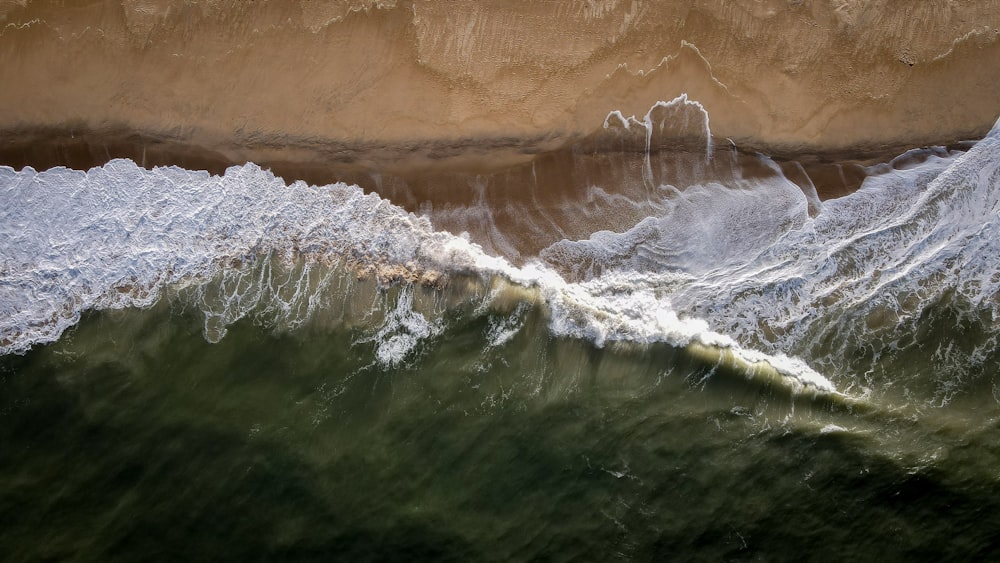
756	268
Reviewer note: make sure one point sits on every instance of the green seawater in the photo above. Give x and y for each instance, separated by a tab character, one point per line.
135	438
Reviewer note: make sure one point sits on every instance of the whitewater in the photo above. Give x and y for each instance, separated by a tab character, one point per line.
764	271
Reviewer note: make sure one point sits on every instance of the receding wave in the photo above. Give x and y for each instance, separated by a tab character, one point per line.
755	268
602	280
115	236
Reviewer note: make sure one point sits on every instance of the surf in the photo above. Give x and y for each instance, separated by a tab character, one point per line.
748	276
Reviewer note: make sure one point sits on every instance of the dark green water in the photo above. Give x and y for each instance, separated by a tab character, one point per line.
745	381
133	438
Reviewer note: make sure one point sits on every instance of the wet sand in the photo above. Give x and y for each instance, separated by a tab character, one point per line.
418	99
513	199
411	174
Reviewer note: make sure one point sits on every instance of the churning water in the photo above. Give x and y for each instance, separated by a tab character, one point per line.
689	359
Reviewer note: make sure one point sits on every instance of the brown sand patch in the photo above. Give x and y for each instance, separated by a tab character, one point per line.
777	76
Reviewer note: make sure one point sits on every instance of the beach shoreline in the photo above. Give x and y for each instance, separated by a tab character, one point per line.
376	167
390	85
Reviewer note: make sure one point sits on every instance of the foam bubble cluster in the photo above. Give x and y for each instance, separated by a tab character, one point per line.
120	236
737	272
117	235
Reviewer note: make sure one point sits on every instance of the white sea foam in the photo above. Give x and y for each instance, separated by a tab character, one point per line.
635	307
680	119
740	268
864	277
402	332
115	236
873	264
118	235
704	228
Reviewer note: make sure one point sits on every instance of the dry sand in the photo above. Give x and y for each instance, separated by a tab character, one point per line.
332	89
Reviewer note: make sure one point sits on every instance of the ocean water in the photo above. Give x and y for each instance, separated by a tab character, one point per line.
697	358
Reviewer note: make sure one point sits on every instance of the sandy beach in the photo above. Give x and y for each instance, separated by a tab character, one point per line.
320	90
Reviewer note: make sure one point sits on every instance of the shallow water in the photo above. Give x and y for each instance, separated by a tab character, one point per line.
694	358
